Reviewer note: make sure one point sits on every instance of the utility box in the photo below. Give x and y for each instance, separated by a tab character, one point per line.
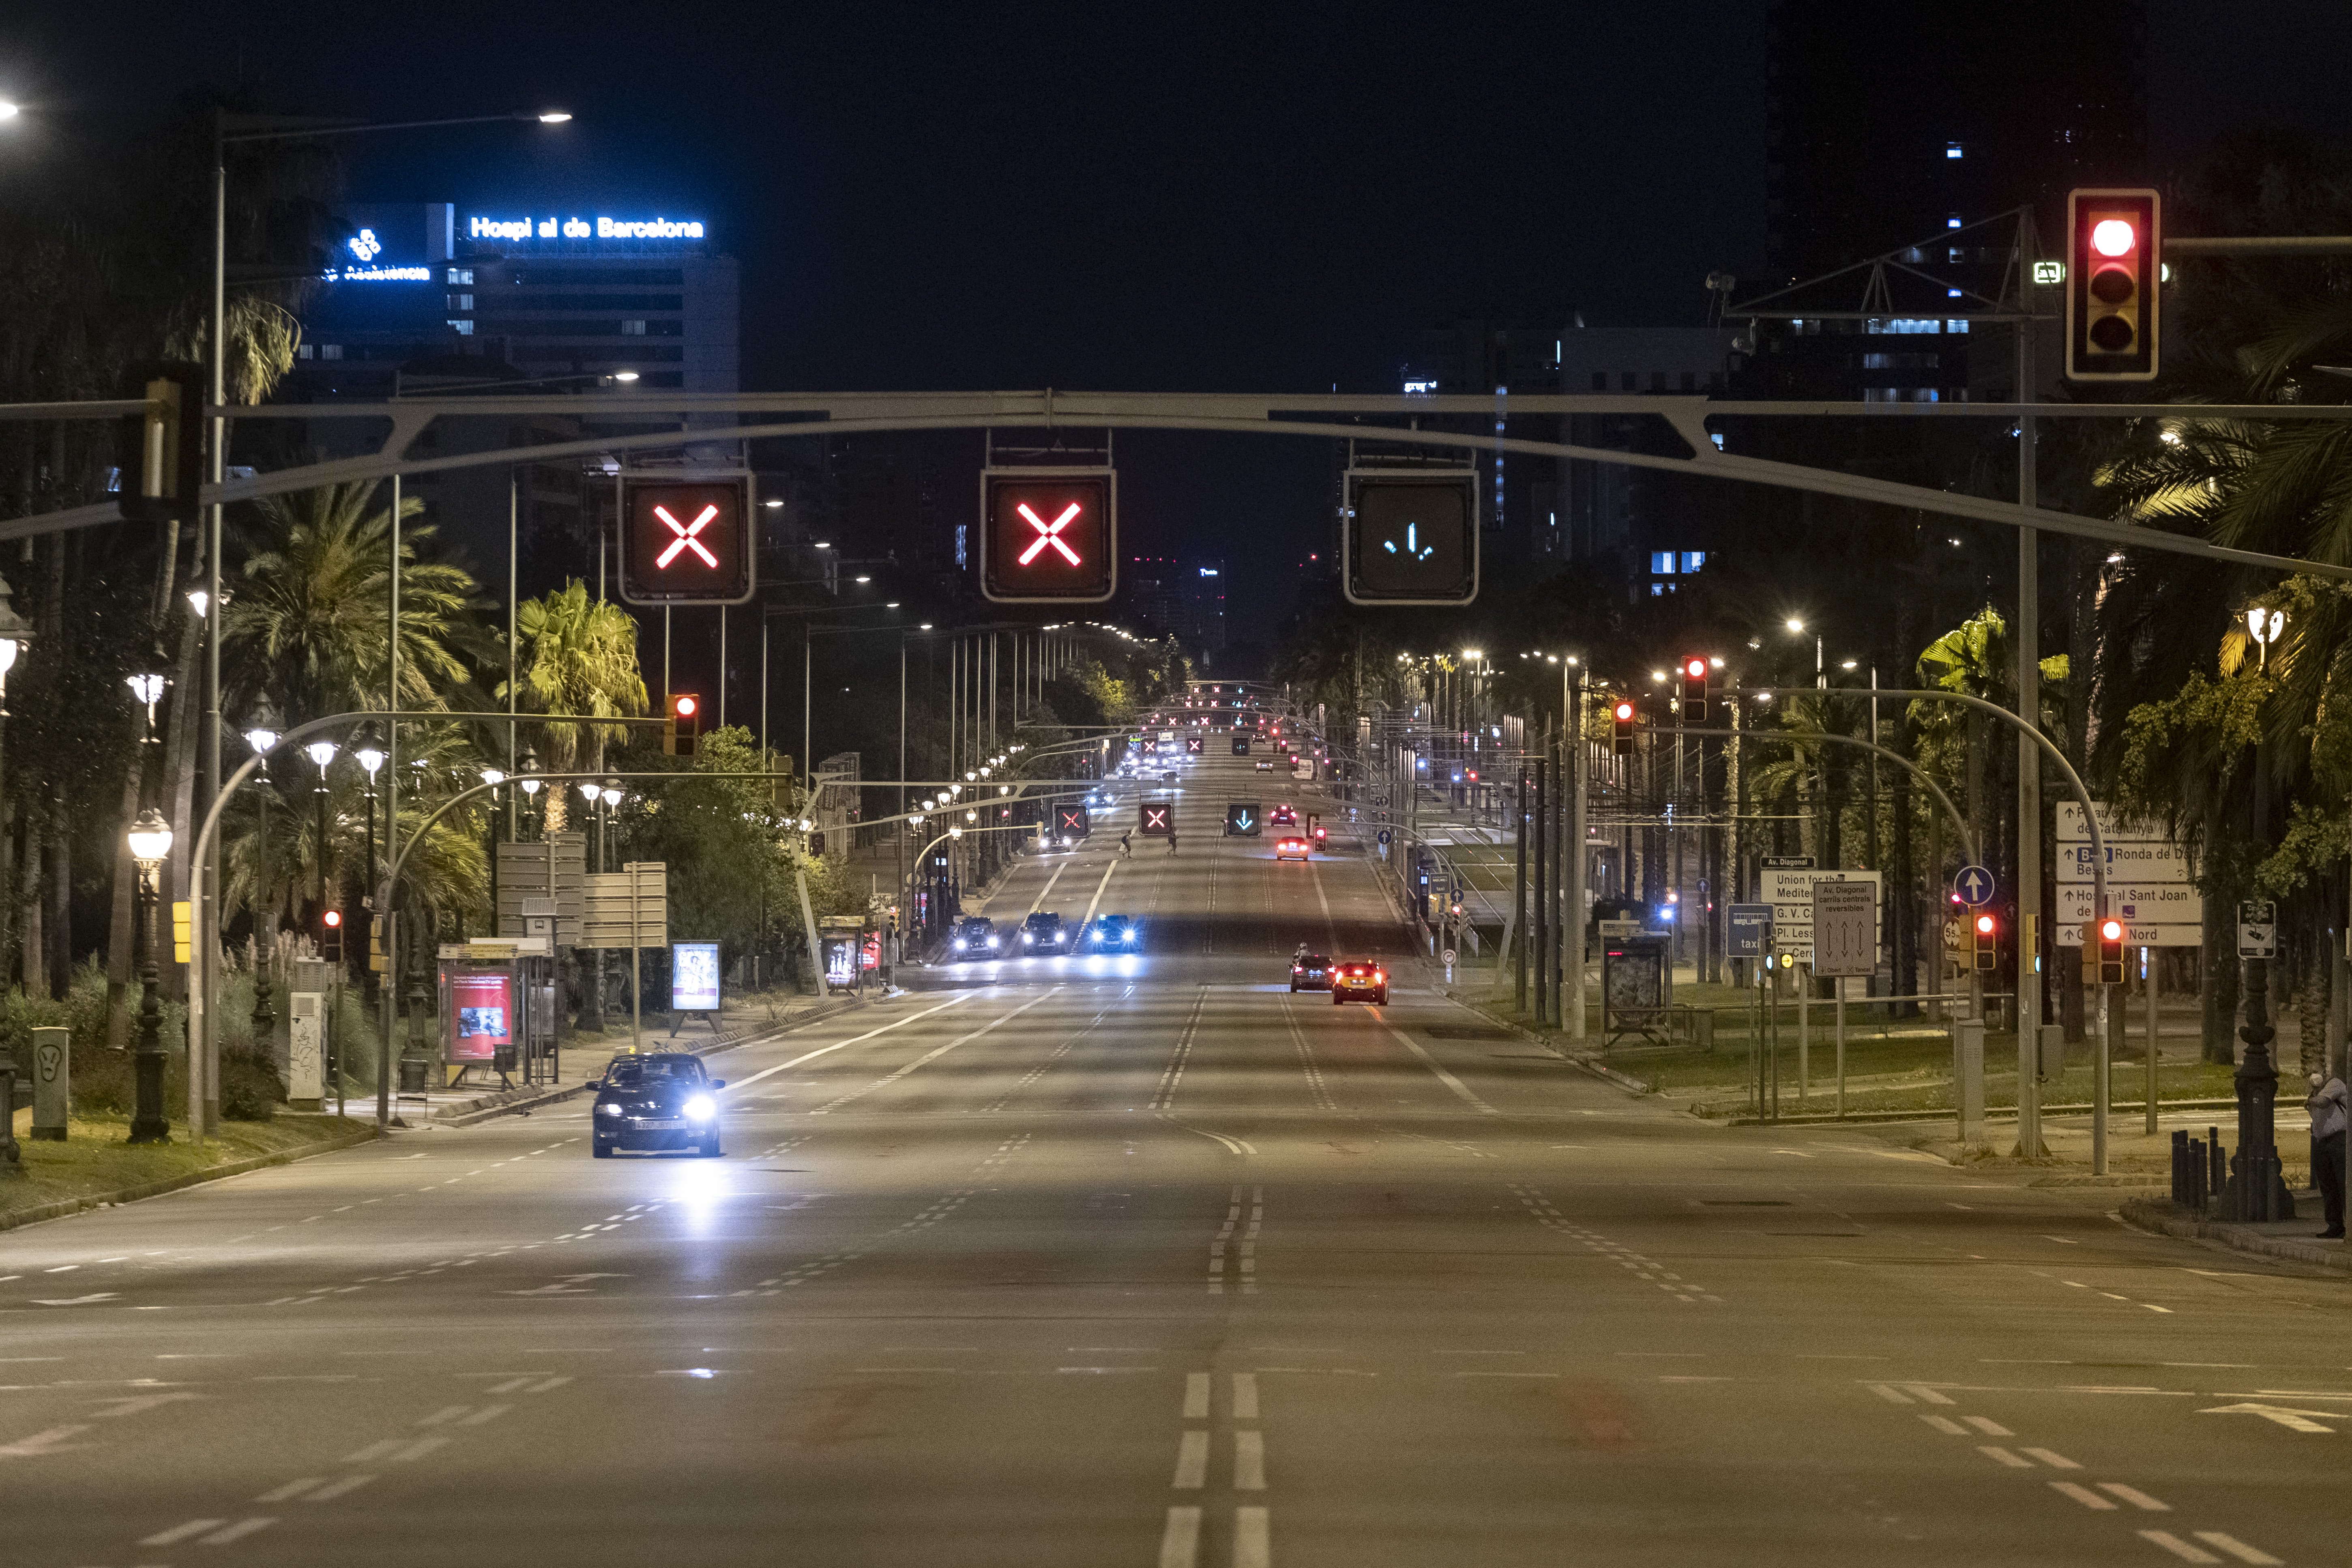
52	1074
309	1005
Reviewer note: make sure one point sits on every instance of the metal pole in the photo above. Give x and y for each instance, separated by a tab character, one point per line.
1837	986
899	839
2099	1085
2027	645
1519	904
2147	963
1572	928
808	747
388	995
722	666
763	692
1542	900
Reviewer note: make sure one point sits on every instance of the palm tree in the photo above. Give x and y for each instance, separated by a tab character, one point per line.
311	618
579	661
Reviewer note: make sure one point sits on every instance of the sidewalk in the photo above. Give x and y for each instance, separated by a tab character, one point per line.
584	1058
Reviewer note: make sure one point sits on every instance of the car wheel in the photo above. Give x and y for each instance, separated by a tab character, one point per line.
1338	999
1380	998
602	1148
710	1147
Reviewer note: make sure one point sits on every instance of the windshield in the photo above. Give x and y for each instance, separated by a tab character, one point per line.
653	1072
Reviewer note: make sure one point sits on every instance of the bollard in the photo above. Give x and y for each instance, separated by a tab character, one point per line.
2180	1171
2216	1167
2193	1176
52	1082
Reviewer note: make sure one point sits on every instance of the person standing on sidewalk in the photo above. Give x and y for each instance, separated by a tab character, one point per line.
2327	1106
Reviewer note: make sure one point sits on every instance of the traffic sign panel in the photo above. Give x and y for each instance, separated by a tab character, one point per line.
2257	929
1411	537
1384	836
1048	535
1156	818
685	540
1845	927
1975	885
1243	819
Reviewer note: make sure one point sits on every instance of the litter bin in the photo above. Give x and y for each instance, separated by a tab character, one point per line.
412	1074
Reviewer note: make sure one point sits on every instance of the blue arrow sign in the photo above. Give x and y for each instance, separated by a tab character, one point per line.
1384	836
1975	885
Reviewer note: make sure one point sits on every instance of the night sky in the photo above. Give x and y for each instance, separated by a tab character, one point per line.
1135	198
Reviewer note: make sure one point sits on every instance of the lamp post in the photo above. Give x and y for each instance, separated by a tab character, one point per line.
370	755
16	632
322	752
2259	1191
261	731
151	840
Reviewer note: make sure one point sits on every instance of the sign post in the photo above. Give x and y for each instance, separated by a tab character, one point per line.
1845	918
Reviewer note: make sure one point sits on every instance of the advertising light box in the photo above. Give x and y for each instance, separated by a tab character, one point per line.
694	977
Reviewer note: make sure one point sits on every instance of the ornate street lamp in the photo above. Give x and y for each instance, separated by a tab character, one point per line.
151	840
2265	626
321	752
262	728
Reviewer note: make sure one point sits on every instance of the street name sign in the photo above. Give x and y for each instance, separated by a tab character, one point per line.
2148	880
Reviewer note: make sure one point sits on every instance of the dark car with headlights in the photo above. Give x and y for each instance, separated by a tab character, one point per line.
1115	933
1043	933
975	937
662	1101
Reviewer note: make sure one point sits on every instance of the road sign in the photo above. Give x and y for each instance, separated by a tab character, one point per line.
1380	800
1448	956
1048	535
2257	929
1845	927
2159	904
1410	536
685	540
1243	819
1788	887
1070	821
1156	818
1384	836
1975	885
2147	875
1751	929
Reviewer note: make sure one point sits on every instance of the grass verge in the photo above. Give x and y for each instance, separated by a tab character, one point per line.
94	1163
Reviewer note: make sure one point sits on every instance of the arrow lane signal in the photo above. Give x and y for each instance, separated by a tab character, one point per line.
685	538
1049	533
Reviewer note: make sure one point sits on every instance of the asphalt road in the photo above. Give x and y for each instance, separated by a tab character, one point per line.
1145	1261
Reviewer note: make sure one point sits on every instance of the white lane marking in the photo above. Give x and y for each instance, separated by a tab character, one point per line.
1180	1543
543	1386
934	1055
40	1443
2003	1456
238	1531
1926	1394
291	1490
509	1385
737	1086
1192	1462
2055	1461
2238	1549
1946	1425
1196	1396
330	1493
418	1450
483	1416
2134	1496
2177	1546
1330	926
2084	1495
2293	1420
1087	920
1252	1539
179	1532
1983	1424
1447	1079
1249	1462
376	1451
447	1413
78	1301
1244	1396
1043	893
1888	1395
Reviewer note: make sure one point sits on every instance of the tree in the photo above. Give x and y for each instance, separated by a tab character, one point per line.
578	661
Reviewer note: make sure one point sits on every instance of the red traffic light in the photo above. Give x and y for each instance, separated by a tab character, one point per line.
1624	713
2112	284
2114	237
1985	926
684	542
1048	534
683	707
2111	930
332	919
1694	668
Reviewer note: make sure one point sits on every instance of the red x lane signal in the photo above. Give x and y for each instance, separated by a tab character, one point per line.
1048	535
686	541
1156	823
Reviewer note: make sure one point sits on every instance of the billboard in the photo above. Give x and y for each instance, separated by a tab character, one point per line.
694	977
481	1011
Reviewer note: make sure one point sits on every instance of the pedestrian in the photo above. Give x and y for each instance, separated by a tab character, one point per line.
2327	1106
1171	841
1127	844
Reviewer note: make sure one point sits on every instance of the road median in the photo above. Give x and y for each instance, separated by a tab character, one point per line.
94	1168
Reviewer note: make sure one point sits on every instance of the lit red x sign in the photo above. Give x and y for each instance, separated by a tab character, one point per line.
1073	820
686	532
1048	533
1155	819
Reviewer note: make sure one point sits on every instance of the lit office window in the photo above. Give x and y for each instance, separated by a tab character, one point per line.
1693	560
1662	563
632	328
463	329
331	351
461	275
461	301
1951	149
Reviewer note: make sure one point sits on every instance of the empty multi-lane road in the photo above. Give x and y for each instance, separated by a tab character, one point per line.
1143	1260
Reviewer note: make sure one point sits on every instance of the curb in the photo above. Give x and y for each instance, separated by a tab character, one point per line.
1625	1081
65	1206
528	1100
2156	1215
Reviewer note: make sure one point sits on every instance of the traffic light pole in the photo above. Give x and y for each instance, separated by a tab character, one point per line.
2026	644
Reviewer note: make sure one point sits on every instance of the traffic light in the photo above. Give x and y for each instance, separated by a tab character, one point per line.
331	936
2112	273
682	724
1243	820
1622	740
1987	943
162	456
686	541
1693	708
1410	536
1048	535
1156	818
2110	934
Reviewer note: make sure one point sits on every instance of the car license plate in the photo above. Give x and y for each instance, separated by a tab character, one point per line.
662	1124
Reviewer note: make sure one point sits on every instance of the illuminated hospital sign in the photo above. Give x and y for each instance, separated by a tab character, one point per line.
521	228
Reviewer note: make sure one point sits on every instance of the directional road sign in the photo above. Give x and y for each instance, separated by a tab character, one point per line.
1752	931
1243	819
1411	537
1975	885
1048	534
686	541
1384	836
1156	818
1845	927
2257	929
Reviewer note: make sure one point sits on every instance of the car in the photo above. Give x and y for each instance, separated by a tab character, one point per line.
1264	766
1042	932
1284	817
1290	847
1360	980
661	1100
1115	933
1168	777
1311	972
975	936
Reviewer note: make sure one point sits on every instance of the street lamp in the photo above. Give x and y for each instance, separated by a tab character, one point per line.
149	690
321	752
2265	626
151	840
